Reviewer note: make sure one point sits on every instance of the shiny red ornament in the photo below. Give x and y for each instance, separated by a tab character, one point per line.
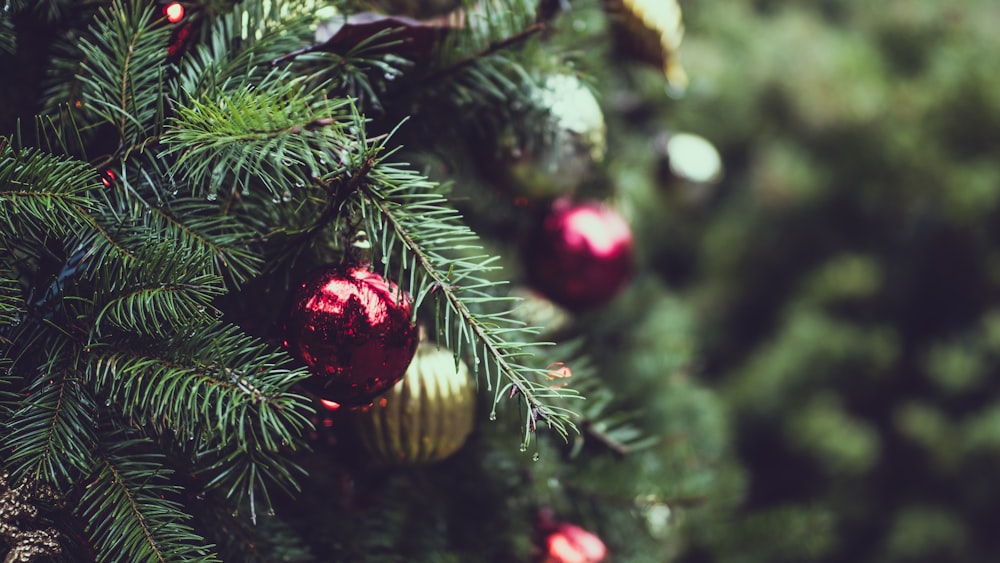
572	544
352	328
581	256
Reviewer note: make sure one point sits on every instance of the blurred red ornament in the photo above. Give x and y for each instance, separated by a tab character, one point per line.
174	12
352	328
572	544
178	41
581	256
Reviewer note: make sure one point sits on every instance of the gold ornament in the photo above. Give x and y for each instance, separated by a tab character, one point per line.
426	416
690	167
574	142
651	30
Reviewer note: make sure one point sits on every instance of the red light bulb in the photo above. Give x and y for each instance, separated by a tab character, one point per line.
174	12
330	405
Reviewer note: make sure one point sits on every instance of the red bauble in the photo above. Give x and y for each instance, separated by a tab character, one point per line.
581	256
572	544
352	328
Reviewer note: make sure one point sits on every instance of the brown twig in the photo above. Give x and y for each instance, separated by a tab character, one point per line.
493	48
620	450
338	194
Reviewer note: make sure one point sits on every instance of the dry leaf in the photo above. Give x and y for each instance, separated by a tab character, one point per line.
410	38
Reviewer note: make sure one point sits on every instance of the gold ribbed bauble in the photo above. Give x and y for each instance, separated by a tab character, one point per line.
426	416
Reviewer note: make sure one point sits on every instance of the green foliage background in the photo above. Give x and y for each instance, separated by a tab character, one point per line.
846	273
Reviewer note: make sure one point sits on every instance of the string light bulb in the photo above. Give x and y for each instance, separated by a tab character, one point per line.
174	12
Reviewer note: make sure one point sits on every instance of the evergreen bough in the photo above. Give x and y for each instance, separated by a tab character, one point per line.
151	188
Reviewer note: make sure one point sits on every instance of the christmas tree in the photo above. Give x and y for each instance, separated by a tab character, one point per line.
344	281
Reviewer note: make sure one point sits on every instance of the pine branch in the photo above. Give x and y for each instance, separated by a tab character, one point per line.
265	541
616	446
159	309
279	135
213	377
490	50
493	22
204	232
164	294
244	474
48	9
12	305
601	420
241	45
44	193
203	389
129	515
173	228
54	431
104	251
363	73
123	72
424	229
59	129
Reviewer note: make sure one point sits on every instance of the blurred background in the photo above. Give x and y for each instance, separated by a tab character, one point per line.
844	273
